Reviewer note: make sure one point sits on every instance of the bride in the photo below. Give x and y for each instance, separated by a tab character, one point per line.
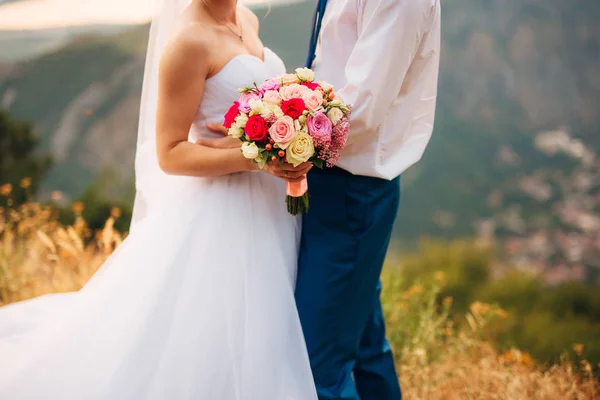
198	302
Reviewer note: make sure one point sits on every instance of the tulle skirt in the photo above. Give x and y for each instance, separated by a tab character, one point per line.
197	303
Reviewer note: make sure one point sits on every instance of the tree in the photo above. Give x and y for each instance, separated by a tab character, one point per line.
21	168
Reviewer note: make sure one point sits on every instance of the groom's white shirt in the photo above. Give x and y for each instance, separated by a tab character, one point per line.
384	55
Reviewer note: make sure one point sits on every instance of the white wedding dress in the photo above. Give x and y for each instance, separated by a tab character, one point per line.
197	303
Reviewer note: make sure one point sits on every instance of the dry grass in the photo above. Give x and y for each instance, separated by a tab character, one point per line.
438	362
38	255
479	372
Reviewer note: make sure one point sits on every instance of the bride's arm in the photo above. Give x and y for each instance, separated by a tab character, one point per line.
182	75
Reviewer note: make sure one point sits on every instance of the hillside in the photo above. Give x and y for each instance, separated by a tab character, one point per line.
516	138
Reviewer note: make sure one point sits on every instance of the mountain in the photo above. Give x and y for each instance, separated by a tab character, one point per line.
17	46
516	128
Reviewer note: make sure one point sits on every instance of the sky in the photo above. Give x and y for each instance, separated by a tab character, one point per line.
40	14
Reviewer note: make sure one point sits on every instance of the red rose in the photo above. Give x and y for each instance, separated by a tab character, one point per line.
293	107
256	128
311	85
231	114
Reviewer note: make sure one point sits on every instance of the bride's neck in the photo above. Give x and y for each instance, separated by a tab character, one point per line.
224	10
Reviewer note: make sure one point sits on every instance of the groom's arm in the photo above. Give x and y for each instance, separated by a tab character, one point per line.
396	38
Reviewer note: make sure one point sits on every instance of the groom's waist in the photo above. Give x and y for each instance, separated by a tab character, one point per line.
385	157
342	173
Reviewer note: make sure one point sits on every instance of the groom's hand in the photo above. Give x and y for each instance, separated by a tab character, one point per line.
216	127
288	172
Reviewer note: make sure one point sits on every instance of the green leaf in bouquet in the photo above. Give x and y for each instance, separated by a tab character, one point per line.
317	162
247	90
261	160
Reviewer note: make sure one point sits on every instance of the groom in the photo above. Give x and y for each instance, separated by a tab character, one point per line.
383	55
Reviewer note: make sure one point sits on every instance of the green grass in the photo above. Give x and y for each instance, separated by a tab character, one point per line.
543	320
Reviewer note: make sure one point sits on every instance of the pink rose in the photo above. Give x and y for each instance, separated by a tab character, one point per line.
272	97
269	84
319	127
313	100
283	131
292	91
245	98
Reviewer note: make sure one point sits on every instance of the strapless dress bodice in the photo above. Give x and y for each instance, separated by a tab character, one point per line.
220	90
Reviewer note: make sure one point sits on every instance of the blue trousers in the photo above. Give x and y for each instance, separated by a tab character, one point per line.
345	236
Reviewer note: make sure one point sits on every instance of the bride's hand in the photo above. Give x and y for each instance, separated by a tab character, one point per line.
216	127
288	172
227	142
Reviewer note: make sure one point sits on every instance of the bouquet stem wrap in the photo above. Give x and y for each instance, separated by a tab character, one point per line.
297	196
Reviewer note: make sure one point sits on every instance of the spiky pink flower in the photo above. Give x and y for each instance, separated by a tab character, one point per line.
339	138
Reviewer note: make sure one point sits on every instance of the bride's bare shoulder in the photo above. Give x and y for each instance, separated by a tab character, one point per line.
192	38
191	41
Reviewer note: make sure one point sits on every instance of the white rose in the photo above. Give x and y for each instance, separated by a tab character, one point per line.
335	115
326	86
305	74
265	111
250	150
256	106
276	110
235	131
336	103
241	120
288	79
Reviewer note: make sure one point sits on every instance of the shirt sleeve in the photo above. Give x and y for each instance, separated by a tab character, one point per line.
390	35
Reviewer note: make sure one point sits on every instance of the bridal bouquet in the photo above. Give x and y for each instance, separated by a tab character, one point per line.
290	119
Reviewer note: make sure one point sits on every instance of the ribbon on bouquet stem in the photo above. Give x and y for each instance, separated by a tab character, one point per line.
297	189
297	196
